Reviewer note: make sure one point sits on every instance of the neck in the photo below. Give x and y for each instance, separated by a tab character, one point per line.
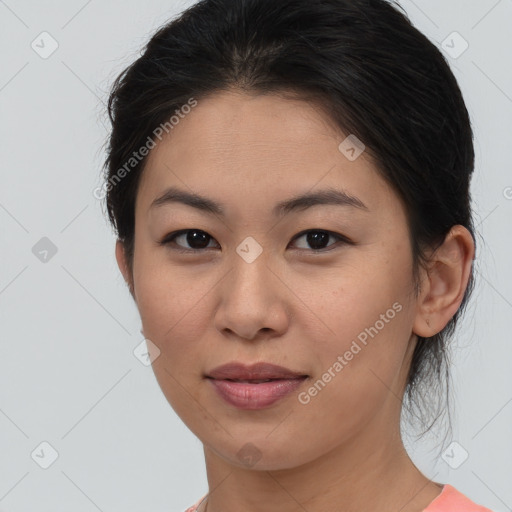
363	473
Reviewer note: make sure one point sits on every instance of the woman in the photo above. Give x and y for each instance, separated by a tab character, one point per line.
289	184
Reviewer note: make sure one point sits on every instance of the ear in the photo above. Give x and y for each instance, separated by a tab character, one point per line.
444	283
123	266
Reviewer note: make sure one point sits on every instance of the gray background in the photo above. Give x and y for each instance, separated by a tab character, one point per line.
68	375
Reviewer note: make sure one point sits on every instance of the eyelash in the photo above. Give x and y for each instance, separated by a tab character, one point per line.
169	240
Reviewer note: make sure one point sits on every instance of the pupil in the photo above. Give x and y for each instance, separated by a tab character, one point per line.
197	237
316	238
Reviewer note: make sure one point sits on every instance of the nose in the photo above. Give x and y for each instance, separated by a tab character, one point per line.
253	301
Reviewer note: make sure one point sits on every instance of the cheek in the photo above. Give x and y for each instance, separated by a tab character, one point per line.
171	299
352	296
174	310
367	340
358	373
363	316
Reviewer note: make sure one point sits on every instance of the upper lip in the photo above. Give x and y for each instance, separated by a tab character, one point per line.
262	370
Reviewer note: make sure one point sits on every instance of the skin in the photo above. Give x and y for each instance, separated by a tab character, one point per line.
292	306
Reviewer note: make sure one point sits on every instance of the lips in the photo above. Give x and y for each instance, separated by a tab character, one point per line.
258	372
254	387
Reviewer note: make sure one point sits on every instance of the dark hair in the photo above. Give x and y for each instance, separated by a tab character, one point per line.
365	65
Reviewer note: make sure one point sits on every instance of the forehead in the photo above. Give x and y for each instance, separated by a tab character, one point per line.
239	146
232	124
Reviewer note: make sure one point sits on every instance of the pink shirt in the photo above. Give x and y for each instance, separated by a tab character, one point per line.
450	500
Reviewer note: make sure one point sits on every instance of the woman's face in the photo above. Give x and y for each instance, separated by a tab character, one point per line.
259	288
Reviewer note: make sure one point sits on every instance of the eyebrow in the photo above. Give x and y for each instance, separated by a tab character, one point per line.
329	196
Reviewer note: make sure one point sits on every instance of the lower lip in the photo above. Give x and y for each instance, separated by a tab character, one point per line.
245	395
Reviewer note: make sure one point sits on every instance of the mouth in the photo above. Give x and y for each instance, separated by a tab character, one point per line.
254	387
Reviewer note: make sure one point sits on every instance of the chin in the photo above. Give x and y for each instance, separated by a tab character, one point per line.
262	456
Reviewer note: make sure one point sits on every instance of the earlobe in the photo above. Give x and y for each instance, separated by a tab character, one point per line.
444	282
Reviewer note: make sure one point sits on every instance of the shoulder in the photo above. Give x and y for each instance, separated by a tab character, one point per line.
452	500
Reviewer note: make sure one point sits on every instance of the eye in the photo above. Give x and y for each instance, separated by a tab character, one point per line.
198	240
317	238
